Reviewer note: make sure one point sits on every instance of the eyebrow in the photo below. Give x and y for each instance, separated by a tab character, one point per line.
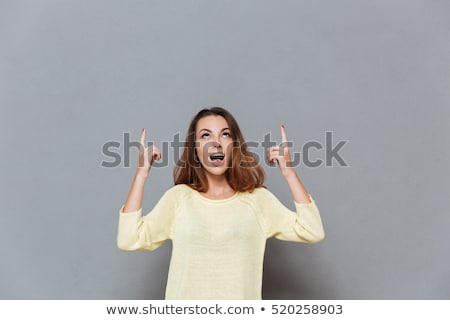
211	131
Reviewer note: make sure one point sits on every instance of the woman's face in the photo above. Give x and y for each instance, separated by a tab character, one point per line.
214	144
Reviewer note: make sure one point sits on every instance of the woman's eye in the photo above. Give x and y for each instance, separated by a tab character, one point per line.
205	135
226	134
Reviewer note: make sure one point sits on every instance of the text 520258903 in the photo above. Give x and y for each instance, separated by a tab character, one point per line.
307	309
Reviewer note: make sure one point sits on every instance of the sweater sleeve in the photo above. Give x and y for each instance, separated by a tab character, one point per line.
137	232
303	225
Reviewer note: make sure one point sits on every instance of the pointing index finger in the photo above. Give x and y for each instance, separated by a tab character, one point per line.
143	137
283	134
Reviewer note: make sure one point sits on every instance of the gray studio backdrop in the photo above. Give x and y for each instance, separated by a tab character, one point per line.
75	75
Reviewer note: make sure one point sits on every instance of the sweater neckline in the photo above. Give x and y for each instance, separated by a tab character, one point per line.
216	201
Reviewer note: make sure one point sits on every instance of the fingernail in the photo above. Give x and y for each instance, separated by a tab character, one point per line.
282	126
143	129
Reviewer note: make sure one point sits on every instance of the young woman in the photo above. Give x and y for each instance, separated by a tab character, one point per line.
218	214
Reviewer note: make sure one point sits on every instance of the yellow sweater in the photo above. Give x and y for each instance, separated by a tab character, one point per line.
218	245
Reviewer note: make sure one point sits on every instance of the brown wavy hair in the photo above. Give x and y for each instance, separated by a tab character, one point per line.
244	174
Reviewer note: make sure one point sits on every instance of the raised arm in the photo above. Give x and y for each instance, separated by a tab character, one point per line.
145	160
282	155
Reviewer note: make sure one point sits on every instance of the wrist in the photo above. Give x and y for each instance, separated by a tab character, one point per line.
290	173
141	175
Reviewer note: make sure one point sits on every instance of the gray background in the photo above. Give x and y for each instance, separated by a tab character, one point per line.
77	74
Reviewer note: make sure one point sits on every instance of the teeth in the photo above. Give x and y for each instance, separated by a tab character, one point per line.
216	156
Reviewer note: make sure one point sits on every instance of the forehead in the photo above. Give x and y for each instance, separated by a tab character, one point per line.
212	123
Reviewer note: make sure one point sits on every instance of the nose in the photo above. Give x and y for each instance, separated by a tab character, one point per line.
216	144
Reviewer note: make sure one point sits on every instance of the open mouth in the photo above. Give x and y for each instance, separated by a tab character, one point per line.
217	156
217	159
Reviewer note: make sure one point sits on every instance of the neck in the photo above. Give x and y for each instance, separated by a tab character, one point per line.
218	185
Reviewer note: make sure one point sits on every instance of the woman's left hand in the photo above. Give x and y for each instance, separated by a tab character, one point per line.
282	155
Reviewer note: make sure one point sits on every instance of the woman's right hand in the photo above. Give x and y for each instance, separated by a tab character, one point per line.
147	155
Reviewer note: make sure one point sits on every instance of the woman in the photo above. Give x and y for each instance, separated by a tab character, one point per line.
218	214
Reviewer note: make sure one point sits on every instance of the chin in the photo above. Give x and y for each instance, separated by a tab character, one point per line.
216	171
